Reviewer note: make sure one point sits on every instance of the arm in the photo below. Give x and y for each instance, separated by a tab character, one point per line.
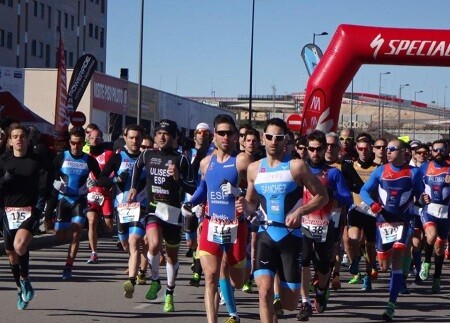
341	193
251	198
111	166
370	185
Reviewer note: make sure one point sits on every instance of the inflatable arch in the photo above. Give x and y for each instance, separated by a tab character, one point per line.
352	46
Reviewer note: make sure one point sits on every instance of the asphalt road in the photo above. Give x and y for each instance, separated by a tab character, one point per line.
95	294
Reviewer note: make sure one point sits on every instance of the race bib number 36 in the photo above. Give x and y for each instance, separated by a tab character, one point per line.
221	232
17	215
129	212
390	232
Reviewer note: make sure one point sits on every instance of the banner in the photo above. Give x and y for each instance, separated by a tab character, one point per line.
61	113
311	55
82	73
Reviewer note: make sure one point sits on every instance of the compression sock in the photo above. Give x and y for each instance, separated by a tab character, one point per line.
24	263
417	260
438	262
228	295
406	264
172	271
153	261
15	269
428	249
395	285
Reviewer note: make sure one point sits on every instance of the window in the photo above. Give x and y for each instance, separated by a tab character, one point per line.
9	41
3	1
49	17
91	31
70	59
96	32
41	49
47	55
102	36
97	1
33	48
58	27
35	8
72	22
2	38
101	67
66	20
102	6
42	11
10	3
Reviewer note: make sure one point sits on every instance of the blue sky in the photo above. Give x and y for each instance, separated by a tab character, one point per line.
194	47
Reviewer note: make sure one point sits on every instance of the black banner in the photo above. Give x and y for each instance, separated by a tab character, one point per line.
82	73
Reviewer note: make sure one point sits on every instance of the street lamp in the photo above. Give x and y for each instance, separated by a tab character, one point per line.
415	97
324	33
251	67
380	123
141	36
399	100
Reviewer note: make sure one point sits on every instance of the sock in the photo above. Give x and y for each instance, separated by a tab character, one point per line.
417	260
24	263
395	285
428	249
406	263
438	262
153	261
94	253
132	280
276	296
15	269
172	271
306	300
228	295
170	289
69	263
197	266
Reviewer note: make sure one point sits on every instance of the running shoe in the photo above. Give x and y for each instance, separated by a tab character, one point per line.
344	259
321	301
141	278
67	273
367	283
436	287
305	312
354	267
417	281
27	290
425	271
278	307
374	274
232	319
93	259
168	303
21	304
128	288
356	279
152	293
195	280
335	282
247	288
388	314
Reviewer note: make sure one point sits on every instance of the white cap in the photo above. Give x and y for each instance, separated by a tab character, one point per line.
202	125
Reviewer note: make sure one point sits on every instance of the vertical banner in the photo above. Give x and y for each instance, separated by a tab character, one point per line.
311	55
82	73
61	113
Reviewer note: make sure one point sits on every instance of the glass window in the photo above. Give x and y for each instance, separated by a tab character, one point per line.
96	32
41	49
66	20
2	38
33	48
49	17
47	55
42	11
35	8
102	36
91	30
9	41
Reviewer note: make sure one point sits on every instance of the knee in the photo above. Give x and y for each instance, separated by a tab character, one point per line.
20	248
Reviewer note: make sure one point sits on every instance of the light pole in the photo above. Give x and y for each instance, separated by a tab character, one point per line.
139	98
251	67
324	33
380	123
414	127
399	101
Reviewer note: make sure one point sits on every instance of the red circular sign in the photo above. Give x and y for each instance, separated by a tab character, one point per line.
294	122
77	119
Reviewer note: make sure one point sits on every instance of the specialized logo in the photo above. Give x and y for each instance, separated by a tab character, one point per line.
376	44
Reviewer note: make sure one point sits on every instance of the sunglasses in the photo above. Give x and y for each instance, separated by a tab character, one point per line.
422	152
145	147
439	150
313	149
363	148
379	147
301	148
332	145
202	131
223	133
73	143
346	138
391	149
270	137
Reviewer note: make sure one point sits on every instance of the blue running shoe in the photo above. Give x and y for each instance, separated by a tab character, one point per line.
67	273
27	290
21	304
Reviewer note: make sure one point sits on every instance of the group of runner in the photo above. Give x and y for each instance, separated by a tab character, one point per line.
253	207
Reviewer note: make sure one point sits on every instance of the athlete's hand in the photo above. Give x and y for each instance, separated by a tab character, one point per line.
241	205
60	186
229	189
91	182
186	210
293	220
173	171
375	208
131	195
122	177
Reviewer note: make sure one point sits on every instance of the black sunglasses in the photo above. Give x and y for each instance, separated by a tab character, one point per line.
222	133
313	149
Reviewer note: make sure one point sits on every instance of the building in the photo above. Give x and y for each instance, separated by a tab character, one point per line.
29	32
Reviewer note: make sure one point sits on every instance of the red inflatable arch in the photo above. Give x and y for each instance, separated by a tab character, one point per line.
353	46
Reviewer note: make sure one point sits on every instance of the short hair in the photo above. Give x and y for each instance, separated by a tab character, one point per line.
381	139
364	136
92	126
245	126
441	141
14	126
277	122
77	132
224	118
423	146
333	135
133	127
302	140
253	132
319	136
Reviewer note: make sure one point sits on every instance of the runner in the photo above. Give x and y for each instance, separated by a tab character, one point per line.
169	176
19	183
275	184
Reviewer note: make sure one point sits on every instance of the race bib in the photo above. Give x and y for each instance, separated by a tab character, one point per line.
17	215
438	210
317	228
221	232
96	198
167	213
390	232
129	212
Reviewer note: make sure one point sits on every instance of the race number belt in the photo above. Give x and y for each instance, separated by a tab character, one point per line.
317	228
129	212
222	232
167	213
96	198
438	210
17	215
390	232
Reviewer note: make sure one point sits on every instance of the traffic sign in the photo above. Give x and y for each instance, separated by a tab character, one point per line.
294	122
77	119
